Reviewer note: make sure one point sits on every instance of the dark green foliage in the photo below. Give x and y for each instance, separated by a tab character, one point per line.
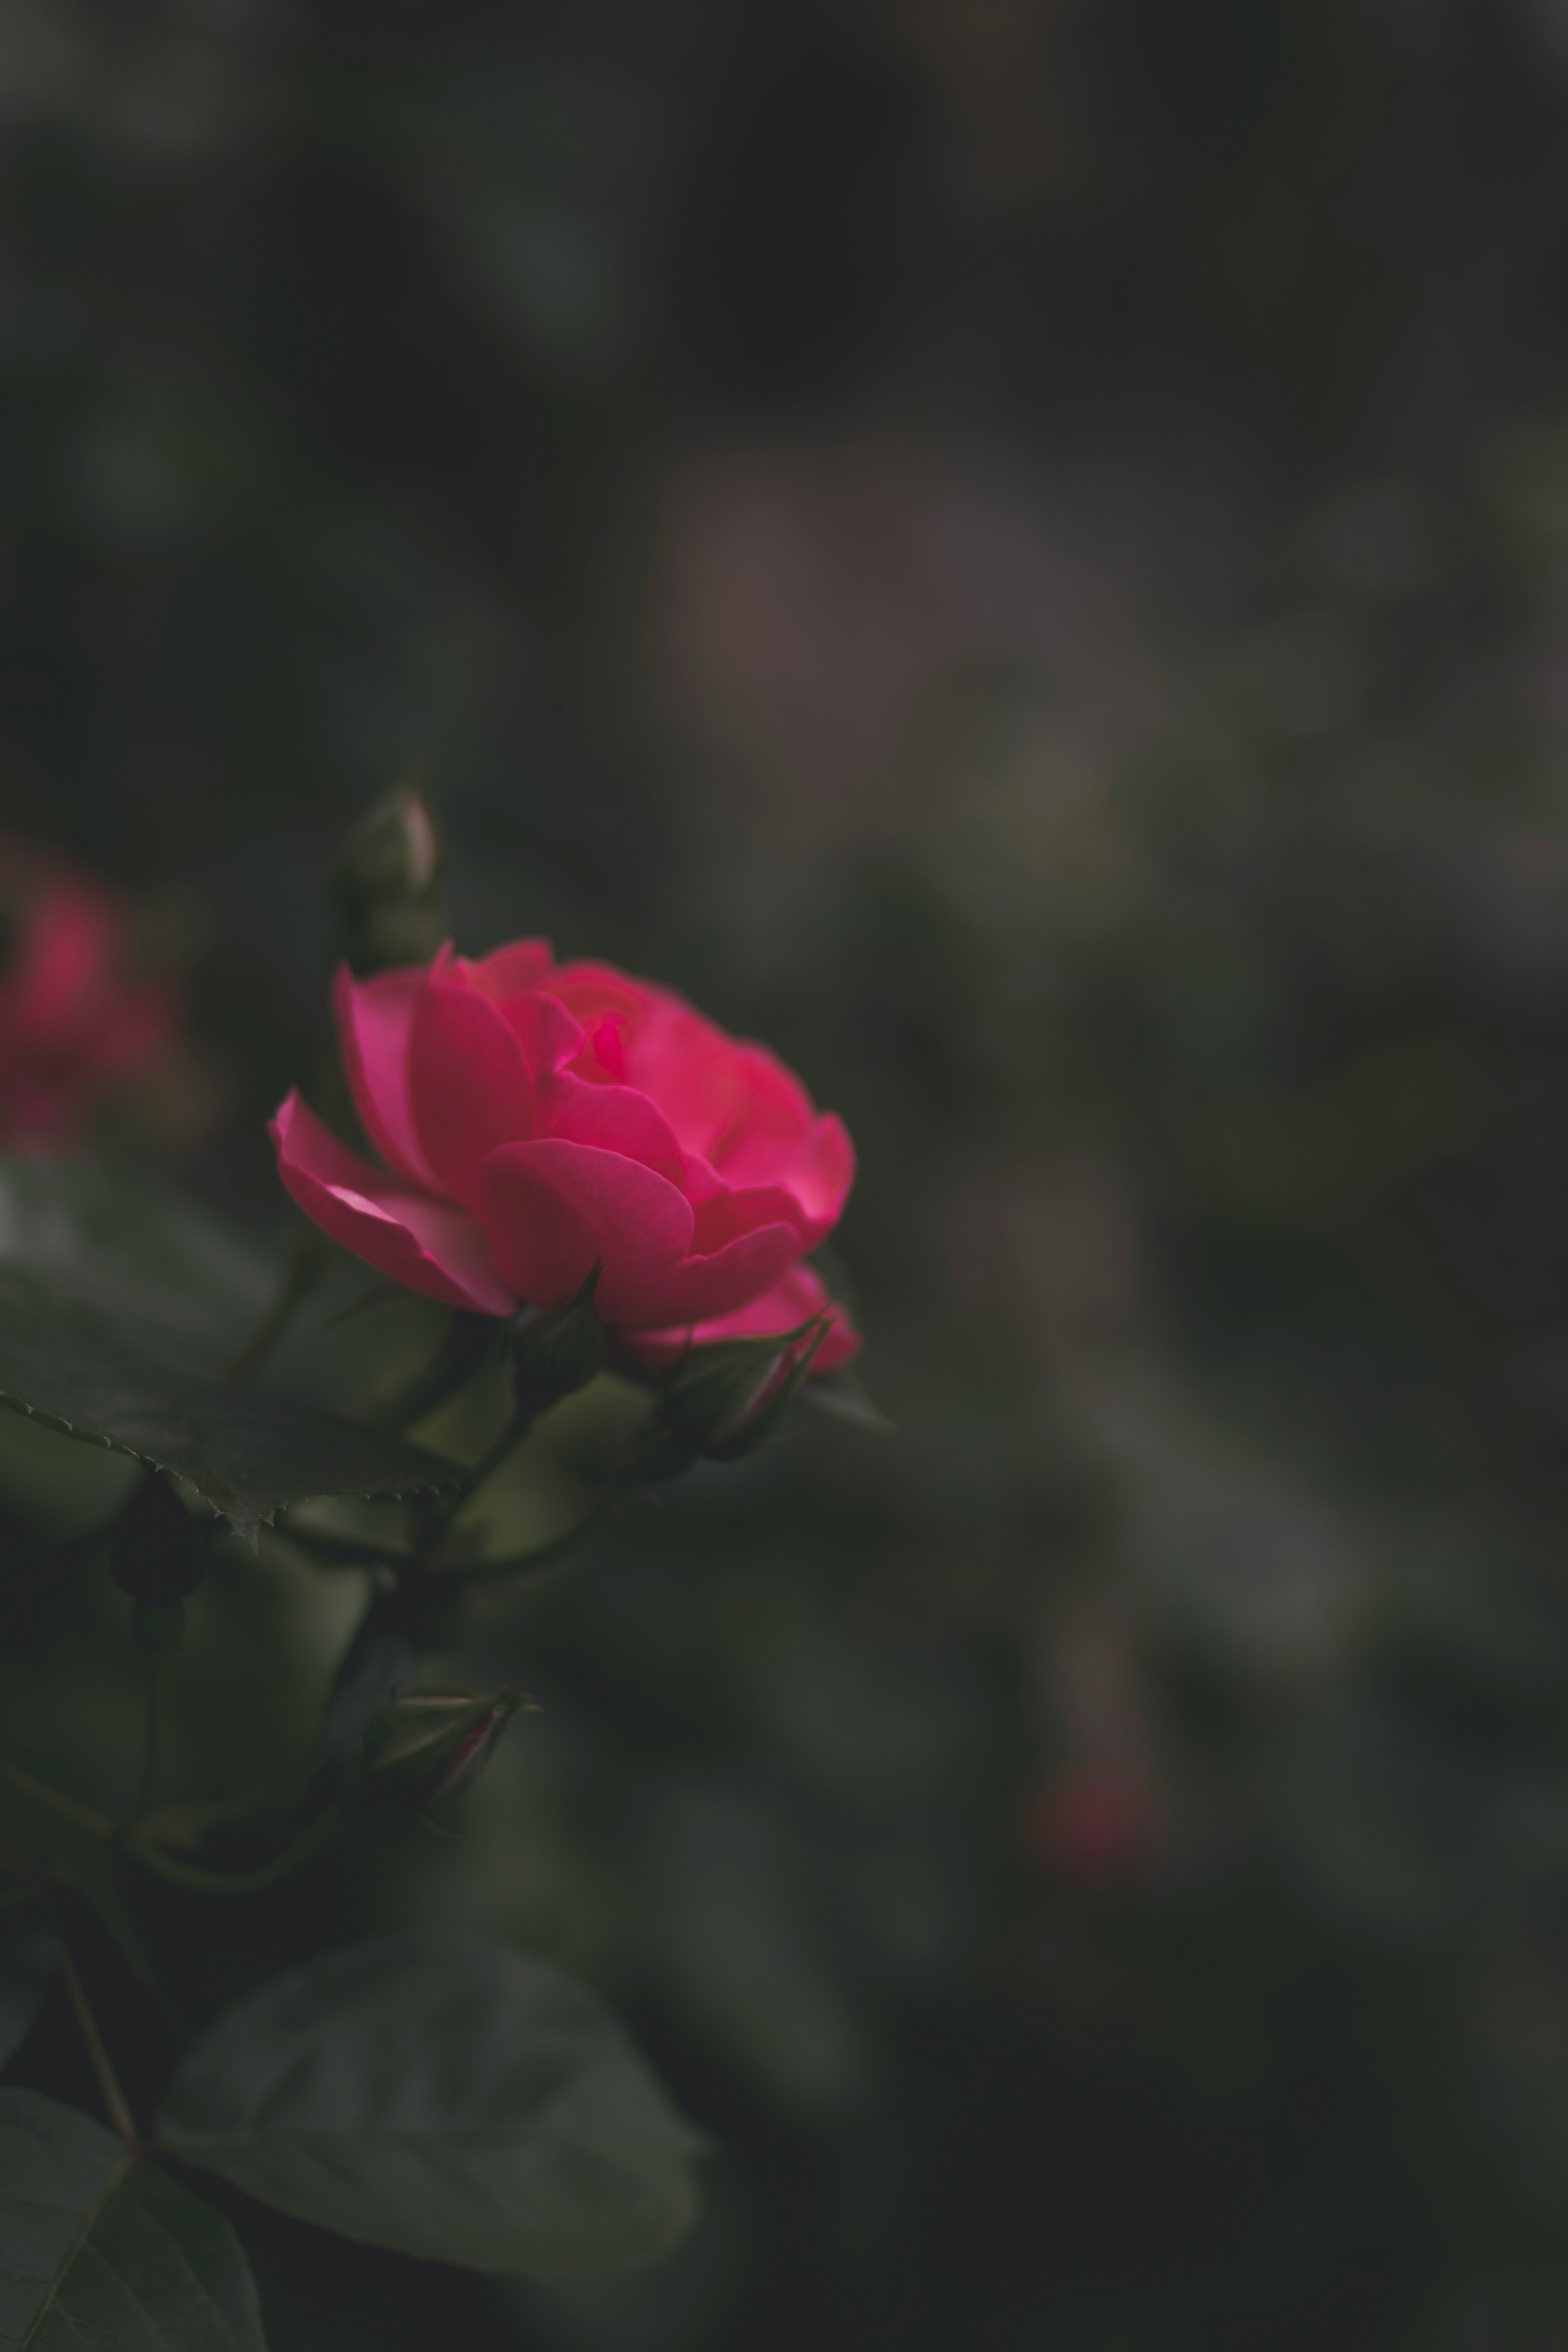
444	2097
81	1367
26	1964
121	1305
100	2252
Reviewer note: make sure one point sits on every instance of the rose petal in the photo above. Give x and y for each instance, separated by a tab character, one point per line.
550	1208
791	1302
716	1283
469	1083
603	1055
512	971
613	1118
771	1121
420	1242
725	1215
545	1031
374	1018
590	992
820	1176
691	1070
700	1183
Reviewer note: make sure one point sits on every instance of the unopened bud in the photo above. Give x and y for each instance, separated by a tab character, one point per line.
721	1402
426	1746
159	1551
387	886
555	1354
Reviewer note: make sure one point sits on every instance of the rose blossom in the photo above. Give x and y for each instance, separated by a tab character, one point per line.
75	1018
536	1119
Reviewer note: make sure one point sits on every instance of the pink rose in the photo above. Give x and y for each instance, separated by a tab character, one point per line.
75	1018
535	1119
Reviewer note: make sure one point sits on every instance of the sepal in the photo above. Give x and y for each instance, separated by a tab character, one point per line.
423	1747
555	1354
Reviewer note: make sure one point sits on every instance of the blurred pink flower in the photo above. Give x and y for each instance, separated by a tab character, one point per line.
1092	1824
77	1019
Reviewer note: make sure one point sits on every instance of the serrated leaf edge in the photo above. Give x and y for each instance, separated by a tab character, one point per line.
64	1428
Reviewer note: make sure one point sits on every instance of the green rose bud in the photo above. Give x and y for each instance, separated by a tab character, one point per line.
721	1402
387	886
159	1551
426	1746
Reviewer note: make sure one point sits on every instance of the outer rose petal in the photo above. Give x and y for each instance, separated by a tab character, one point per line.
789	1303
820	1175
715	1283
550	1208
469	1083
507	972
374	1018
725	1216
420	1242
614	1119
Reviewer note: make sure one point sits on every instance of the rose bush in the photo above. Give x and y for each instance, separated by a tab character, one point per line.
536	1119
76	1018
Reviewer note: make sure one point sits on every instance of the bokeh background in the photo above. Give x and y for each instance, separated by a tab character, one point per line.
1017	549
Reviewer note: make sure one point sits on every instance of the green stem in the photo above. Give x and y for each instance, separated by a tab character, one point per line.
82	1817
29	1882
439	1523
307	1262
467	1342
531	1563
116	2103
321	1831
160	1666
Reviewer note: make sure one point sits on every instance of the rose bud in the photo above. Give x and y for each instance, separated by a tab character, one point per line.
387	886
426	1746
158	1554
724	1401
556	1354
535	1121
77	1020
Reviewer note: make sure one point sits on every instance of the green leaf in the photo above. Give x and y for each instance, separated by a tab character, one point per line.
146	1239
99	1363
27	1963
100	2252
446	2097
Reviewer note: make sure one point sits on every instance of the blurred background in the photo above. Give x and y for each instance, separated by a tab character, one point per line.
1018	550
